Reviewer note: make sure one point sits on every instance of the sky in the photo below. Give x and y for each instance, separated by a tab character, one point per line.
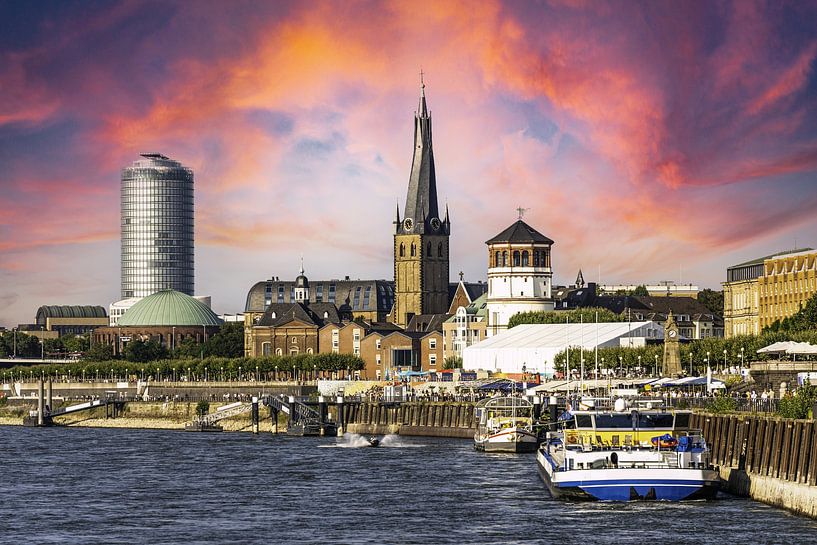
652	141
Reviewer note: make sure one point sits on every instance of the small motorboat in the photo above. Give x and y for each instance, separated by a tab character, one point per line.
374	442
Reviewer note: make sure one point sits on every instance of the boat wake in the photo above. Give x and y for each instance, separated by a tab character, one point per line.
356	440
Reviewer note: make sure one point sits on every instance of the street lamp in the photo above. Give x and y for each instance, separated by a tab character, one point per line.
315	371
256	373
174	374
189	377
639	364
724	360
276	373
205	374
173	341
15	342
656	364
620	365
222	373
239	373
690	363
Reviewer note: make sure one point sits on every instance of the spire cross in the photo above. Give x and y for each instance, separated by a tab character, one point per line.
522	211
461	275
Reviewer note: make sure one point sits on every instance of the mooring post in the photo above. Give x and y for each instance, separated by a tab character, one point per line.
255	414
40	404
274	415
537	407
49	399
291	412
322	412
341	416
552	407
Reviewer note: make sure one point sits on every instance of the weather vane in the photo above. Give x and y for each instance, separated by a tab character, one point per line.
522	211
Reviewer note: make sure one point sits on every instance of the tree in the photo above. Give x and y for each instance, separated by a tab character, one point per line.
804	319
187	348
712	300
99	352
588	315
453	362
228	342
641	291
75	343
143	351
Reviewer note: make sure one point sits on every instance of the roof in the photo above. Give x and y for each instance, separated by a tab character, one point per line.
169	308
426	323
318	314
69	311
520	232
760	260
561	335
362	295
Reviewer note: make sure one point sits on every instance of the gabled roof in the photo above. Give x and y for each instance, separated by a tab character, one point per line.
426	322
520	232
317	314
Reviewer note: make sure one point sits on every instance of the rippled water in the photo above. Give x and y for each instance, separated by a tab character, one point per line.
73	485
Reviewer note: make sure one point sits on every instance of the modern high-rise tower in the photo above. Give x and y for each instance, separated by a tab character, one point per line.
157	227
421	237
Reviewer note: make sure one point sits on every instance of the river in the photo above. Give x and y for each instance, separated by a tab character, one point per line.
87	486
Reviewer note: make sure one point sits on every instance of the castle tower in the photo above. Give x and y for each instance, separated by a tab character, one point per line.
421	237
519	274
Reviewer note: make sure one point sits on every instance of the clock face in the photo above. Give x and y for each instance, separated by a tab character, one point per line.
408	224
435	224
672	333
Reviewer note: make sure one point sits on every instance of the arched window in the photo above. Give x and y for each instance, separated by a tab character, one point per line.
497	260
524	258
402	250
536	258
428	249
308	350
413	249
440	249
516	258
279	352
505	259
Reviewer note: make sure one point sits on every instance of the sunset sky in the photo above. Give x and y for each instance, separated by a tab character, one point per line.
653	141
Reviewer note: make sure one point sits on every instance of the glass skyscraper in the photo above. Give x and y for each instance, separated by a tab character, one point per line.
157	227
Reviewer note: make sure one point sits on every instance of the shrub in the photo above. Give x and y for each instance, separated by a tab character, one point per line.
722	404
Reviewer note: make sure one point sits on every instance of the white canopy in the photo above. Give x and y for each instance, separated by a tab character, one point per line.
788	347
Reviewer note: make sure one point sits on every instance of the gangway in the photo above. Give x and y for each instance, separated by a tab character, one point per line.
303	420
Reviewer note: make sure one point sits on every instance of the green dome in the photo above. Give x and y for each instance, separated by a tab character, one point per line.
169	308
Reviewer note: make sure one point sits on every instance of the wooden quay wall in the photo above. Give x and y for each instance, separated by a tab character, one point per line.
430	419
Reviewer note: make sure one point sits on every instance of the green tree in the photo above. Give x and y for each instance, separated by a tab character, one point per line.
588	315
228	342
188	348
804	319
75	343
641	291
712	300
798	405
144	351
99	352
453	362
53	347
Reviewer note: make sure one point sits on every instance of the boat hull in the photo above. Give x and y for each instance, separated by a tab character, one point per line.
513	440
628	484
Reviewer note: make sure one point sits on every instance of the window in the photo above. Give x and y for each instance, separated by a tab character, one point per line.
413	249
497	259
278	352
432	360
432	344
516	260
402	250
377	361
504	259
440	249
428	249
377	345
525	258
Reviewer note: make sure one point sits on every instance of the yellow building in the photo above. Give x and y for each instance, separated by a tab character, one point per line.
787	282
742	313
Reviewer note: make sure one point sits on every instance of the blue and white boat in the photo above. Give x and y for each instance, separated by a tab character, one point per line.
627	454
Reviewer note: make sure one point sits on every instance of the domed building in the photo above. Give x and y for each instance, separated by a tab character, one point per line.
167	317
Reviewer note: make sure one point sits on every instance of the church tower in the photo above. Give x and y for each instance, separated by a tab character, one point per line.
421	237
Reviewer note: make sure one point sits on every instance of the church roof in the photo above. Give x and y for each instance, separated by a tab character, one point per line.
421	199
520	232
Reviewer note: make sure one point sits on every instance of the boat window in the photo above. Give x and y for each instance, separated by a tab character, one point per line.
655	421
584	421
681	420
616	421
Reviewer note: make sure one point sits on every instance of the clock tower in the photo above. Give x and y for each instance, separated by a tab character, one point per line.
672	348
421	236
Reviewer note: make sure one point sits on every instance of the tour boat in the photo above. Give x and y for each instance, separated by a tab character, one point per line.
505	424
627	454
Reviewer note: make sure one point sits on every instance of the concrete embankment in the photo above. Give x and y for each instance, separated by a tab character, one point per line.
141	415
430	419
769	459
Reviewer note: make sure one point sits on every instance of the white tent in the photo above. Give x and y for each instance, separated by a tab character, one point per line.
776	348
802	348
535	346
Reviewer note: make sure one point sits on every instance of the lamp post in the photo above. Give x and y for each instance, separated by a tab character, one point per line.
276	373
189	377
173	341
741	357
239	373
690	363
315	372
174	374
620	365
639	364
222	373
205	374
656	364
15	342
256	373
602	365
724	361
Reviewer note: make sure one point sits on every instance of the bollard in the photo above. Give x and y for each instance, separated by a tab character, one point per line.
341	416
40	420
274	415
254	414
